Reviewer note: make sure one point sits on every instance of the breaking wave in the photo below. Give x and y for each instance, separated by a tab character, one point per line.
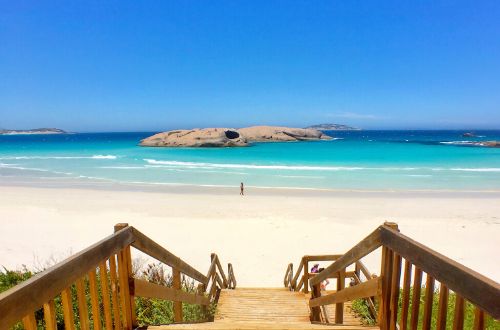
62	157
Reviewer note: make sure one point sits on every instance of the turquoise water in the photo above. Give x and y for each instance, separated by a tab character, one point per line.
357	160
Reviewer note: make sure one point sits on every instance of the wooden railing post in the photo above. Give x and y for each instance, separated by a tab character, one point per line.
306	275
316	311
339	308
387	265
176	284
125	278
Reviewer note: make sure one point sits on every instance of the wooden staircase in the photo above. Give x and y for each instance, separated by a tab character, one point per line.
105	268
266	308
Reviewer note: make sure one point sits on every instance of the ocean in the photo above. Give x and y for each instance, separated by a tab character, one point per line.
353	160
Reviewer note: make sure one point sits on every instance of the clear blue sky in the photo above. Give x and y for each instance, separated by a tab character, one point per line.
155	65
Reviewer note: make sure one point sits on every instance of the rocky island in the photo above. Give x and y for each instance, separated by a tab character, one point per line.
490	144
32	131
333	127
228	137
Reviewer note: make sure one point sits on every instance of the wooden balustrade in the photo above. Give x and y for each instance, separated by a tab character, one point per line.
402	261
290	281
102	275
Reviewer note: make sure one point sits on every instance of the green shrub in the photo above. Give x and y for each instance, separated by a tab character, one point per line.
360	307
148	311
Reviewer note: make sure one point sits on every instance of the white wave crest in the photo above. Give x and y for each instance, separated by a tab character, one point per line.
193	165
486	169
248	166
61	157
459	143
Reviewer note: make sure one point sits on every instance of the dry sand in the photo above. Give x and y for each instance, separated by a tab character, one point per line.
259	233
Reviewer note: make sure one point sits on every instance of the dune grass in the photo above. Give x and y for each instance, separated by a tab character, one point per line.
148	311
360	307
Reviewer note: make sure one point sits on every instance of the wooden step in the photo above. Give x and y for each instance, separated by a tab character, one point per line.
267	308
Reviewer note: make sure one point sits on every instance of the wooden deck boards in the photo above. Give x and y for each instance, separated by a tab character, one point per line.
267	308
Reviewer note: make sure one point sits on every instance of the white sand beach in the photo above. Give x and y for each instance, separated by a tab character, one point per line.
259	233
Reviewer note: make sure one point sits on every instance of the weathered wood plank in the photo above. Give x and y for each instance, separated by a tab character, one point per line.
365	289
339	307
478	319
124	290
403	324
221	272
429	299
114	292
151	290
150	247
306	276
367	245
396	275
176	284
369	300
458	318
128	259
364	270
82	304
29	322
94	300
476	288
232	277
415	300
297	274
385	296
49	315
67	305
321	257
442	307
108	319
29	295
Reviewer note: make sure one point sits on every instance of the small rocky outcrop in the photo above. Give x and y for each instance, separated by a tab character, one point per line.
206	137
276	133
32	131
334	127
468	134
227	137
491	144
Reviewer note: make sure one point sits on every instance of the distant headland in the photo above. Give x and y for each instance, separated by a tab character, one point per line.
333	127
32	131
228	137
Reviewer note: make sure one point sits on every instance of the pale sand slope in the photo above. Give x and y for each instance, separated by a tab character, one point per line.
259	233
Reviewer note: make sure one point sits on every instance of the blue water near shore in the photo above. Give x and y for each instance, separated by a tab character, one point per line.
354	160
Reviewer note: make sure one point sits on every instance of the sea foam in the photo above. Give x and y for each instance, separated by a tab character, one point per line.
62	157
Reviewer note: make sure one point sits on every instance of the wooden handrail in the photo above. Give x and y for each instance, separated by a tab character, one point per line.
363	269
479	290
299	270
221	271
20	302
363	290
292	281
231	278
476	288
321	257
367	245
288	275
150	247
152	290
29	295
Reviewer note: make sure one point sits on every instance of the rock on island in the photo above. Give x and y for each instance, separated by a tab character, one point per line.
228	137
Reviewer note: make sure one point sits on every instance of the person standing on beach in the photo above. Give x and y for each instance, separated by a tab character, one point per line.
242	189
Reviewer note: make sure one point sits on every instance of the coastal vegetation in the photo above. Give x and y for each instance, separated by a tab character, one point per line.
361	309
148	311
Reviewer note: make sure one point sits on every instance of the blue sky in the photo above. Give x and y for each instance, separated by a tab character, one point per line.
155	65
